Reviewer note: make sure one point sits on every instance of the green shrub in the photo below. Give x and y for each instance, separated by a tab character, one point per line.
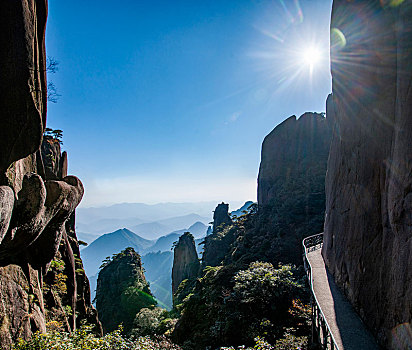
231	306
84	339
153	321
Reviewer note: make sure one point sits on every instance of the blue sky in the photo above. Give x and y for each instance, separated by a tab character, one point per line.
170	100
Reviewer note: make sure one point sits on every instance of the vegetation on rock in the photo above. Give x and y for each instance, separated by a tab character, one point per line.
84	338
122	290
231	306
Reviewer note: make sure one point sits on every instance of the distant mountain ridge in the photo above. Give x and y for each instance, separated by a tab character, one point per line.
156	253
111	243
148	230
144	212
156	256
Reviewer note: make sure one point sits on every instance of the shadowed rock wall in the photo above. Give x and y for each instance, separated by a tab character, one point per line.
23	87
367	243
36	211
295	149
221	217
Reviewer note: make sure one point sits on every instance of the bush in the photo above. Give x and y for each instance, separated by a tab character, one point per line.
83	339
231	306
153	321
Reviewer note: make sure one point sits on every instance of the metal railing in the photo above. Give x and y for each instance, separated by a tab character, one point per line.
321	333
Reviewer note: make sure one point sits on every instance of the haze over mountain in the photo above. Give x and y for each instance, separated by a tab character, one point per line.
105	225
156	256
164	243
148	221
158	271
108	244
153	230
145	212
154	252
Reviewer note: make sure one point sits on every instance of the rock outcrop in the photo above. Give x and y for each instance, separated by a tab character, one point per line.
295	149
218	243
367	242
122	290
291	189
55	162
186	263
36	211
221	217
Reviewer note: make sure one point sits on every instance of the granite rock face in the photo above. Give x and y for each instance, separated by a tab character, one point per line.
37	238
186	263
21	307
55	162
294	149
23	87
367	242
38	220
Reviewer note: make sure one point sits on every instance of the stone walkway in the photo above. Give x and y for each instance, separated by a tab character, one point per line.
345	325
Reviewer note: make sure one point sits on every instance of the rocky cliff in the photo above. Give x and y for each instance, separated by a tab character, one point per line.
218	244
122	290
297	149
23	87
367	243
186	264
291	206
221	217
36	212
291	193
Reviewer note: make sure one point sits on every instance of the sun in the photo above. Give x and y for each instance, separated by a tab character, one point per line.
311	55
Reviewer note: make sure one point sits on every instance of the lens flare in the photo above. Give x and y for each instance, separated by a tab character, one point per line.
312	55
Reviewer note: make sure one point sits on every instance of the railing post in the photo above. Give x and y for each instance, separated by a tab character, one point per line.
324	334
313	317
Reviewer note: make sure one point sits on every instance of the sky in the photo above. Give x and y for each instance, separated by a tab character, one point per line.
169	101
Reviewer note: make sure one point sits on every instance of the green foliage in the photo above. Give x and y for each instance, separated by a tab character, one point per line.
263	286
153	321
57	264
83	243
105	262
122	291
290	342
133	299
50	134
231	306
84	339
183	291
